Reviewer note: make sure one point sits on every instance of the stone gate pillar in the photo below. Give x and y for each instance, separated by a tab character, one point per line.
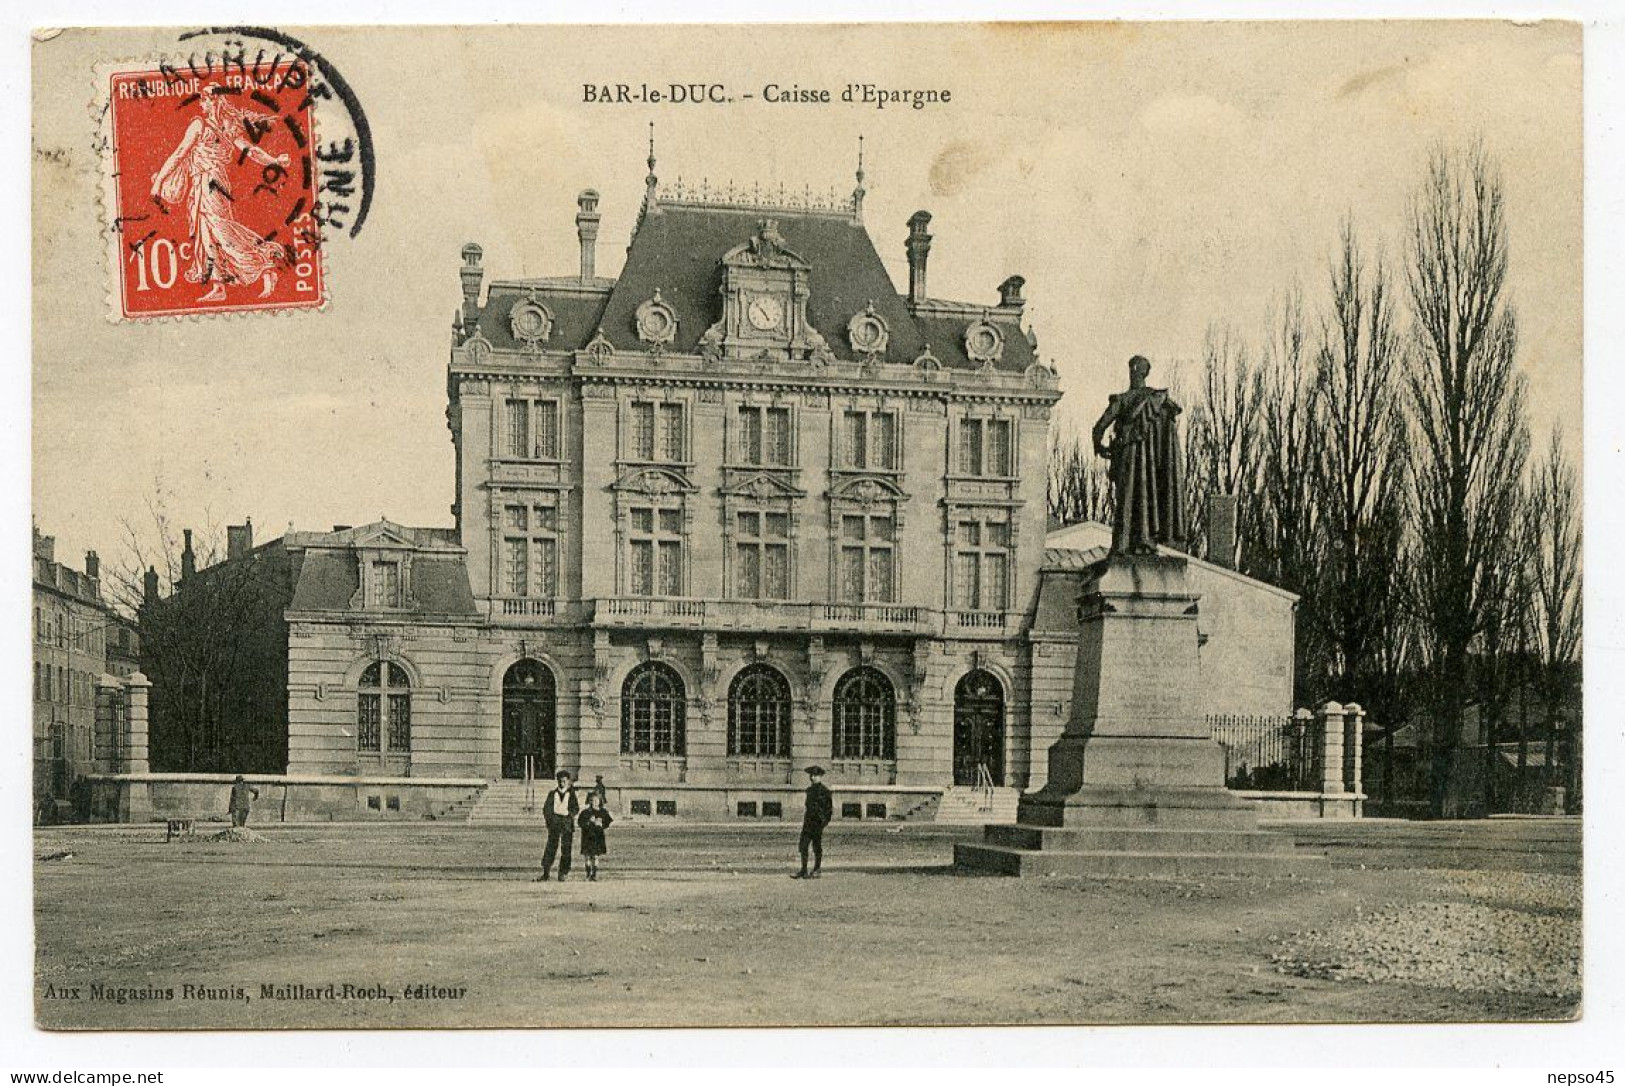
1331	762
1354	750
135	804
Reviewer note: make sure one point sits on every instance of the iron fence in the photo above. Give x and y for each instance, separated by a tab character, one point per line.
1269	753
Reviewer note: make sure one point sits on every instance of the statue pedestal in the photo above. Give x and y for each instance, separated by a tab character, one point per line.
1136	783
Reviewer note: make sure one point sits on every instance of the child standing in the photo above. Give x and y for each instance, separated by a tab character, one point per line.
594	821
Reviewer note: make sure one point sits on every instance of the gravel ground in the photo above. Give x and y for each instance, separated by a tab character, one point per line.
1514	932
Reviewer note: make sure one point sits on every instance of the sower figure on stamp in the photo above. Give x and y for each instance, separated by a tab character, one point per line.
820	811
560	810
223	249
1147	492
242	795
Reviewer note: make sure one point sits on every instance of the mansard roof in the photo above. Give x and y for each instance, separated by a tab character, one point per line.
330	572
678	249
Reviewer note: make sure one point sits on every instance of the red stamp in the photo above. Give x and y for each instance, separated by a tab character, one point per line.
214	192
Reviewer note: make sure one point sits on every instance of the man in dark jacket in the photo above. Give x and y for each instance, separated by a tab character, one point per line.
560	810
239	803
820	811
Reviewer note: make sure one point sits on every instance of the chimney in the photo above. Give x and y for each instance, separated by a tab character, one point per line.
188	558
149	586
93	566
1221	530
1010	292
472	275
919	247
587	230
239	539
44	546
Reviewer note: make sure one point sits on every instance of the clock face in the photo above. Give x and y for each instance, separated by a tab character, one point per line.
764	313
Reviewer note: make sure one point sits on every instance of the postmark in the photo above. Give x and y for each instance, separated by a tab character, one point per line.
214	190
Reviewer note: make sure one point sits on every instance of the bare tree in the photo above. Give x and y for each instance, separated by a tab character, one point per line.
1222	438
213	644
1284	540
1552	612
1467	405
1077	485
1361	484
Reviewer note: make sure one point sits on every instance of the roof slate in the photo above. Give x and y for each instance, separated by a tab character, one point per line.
678	251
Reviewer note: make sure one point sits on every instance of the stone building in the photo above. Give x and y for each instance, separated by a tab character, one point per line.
71	623
744	508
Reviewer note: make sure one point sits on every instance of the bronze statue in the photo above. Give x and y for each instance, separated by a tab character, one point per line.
1147	493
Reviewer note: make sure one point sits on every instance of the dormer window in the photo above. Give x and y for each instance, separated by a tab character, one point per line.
384	584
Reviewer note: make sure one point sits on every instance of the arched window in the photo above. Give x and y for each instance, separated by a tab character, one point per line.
759	713
384	708
652	704
865	716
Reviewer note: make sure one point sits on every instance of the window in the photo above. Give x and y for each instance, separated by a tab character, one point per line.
759	713
652	708
38	673
657	432
533	429
867	571
762	550
384	709
870	440
984	447
865	716
530	550
386	584
656	536
981	565
763	436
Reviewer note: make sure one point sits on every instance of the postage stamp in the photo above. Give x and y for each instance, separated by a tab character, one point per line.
213	198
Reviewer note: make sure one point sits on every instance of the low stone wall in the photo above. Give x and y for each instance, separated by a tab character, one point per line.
1297	806
149	797
722	803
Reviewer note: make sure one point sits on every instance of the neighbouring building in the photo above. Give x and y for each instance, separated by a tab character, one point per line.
743	508
76	634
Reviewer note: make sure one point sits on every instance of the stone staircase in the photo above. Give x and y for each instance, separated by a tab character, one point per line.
1173	832
966	806
503	803
459	810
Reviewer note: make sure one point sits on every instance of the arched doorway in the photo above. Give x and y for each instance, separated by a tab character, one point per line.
528	720
978	727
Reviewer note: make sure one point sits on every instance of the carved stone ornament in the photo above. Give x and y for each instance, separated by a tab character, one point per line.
656	322
600	348
819	355
867	332
711	343
928	362
1040	376
531	322
478	349
984	342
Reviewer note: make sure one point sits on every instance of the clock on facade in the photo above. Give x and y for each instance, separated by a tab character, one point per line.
765	312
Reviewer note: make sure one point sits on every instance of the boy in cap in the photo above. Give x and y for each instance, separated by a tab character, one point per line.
560	811
820	810
239	803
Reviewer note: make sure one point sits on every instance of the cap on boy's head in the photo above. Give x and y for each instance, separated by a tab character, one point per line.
239	776
815	771
563	775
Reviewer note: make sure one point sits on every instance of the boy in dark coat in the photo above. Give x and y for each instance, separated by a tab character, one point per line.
559	810
820	811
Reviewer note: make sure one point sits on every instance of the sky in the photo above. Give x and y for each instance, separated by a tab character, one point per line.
1146	179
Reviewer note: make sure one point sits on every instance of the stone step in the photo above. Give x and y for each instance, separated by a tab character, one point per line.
1000	860
1191	808
1137	839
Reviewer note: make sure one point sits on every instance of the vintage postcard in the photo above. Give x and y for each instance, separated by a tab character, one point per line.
953	524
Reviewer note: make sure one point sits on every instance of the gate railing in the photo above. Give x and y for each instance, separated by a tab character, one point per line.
1270	753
